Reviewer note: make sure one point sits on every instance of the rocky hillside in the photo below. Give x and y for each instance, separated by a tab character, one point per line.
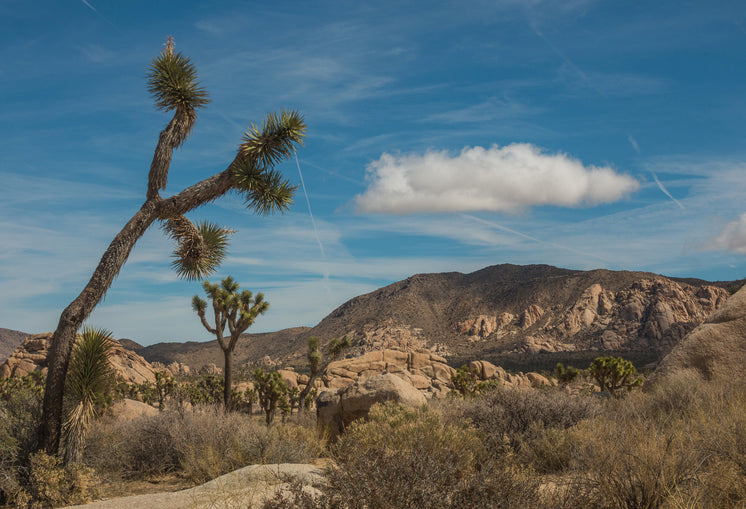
517	310
503	313
9	340
31	355
717	347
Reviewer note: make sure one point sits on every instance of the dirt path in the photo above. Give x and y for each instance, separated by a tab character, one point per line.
246	487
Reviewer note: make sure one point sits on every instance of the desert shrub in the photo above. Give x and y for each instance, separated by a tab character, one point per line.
298	496
50	484
548	450
679	444
719	424
565	374
140	447
201	444
20	416
467	383
632	463
507	416
409	458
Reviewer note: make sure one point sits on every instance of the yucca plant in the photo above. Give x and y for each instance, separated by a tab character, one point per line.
174	84
89	381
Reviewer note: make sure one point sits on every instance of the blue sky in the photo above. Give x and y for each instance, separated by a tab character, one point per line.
442	136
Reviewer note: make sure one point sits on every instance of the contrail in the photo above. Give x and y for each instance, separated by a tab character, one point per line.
663	188
566	59
325	265
633	142
90	6
310	213
534	239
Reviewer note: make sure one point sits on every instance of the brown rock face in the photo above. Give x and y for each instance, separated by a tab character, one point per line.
715	348
481	326
31	355
650	314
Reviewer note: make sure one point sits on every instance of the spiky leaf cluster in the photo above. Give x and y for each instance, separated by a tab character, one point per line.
200	249
89	379
236	309
336	346
264	190
90	371
173	82
314	354
275	139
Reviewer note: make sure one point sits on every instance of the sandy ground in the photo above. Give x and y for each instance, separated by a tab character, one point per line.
246	487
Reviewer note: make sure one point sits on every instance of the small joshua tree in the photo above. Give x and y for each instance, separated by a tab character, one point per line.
613	374
316	364
271	392
237	310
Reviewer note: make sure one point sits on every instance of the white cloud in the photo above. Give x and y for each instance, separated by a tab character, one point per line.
733	236
500	179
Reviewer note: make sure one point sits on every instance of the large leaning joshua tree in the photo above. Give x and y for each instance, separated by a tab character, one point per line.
174	85
237	310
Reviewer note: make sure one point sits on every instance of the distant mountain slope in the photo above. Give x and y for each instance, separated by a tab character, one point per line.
531	309
251	347
9	341
495	313
129	344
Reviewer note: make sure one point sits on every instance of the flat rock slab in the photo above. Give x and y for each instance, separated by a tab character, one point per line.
245	487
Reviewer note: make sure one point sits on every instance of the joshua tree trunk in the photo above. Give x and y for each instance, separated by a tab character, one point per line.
227	372
109	266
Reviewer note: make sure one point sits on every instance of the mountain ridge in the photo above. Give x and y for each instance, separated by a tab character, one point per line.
496	313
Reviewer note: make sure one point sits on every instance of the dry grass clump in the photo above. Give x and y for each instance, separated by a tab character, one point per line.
681	444
201	444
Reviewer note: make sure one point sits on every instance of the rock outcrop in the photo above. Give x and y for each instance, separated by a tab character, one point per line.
422	369
715	348
31	355
649	314
337	408
487	371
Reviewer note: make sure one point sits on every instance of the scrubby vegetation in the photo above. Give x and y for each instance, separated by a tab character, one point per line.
679	442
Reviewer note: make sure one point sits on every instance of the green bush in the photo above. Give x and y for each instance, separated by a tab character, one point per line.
565	374
467	383
506	416
613	374
402	458
20	417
